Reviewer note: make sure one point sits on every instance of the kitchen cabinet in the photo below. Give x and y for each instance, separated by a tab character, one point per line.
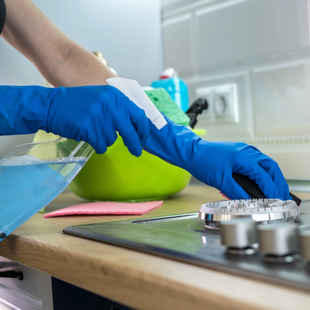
37	290
33	292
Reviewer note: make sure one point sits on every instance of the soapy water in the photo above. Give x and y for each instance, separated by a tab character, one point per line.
28	184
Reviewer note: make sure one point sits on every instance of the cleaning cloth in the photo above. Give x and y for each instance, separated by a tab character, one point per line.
107	207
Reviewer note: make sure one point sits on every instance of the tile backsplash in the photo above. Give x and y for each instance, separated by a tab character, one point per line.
284	90
261	47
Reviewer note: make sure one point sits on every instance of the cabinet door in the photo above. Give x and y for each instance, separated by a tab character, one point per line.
34	292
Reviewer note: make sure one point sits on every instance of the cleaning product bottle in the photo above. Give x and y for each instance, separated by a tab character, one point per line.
175	87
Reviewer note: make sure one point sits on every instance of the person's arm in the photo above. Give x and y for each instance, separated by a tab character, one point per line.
93	114
61	61
64	63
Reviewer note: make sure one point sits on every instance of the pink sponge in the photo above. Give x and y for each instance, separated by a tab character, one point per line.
107	207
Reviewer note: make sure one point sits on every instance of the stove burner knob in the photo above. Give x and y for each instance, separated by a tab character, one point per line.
305	245
239	235
279	242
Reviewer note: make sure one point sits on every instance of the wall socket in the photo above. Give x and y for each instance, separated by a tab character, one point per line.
223	104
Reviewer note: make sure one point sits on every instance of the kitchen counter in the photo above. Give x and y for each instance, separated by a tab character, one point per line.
135	279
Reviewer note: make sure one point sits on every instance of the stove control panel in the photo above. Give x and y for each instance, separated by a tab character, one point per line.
278	242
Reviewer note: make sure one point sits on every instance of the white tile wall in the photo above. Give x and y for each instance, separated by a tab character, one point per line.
233	31
263	47
284	90
177	35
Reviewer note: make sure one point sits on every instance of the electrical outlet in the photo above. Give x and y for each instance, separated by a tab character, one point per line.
223	104
206	93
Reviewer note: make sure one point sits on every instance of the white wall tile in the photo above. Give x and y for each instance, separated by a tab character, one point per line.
178	44
232	31
281	95
172	5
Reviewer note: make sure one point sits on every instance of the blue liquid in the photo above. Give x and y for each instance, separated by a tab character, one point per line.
28	186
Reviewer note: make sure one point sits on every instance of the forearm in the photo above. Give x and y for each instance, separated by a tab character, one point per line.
79	68
61	61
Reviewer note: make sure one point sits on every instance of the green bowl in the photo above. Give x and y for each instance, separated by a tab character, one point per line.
119	176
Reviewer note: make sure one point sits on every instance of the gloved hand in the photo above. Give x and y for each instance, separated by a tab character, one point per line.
91	113
214	162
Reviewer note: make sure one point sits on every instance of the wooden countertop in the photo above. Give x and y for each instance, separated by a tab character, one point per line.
139	280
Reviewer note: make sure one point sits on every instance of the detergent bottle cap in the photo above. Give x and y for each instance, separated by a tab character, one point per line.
168	73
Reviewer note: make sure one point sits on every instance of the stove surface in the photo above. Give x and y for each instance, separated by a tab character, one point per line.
183	237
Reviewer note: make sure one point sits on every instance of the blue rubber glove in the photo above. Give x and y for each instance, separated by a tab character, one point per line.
214	162
90	113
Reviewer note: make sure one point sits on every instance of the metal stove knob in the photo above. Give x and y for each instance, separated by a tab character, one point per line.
279	242
239	235
305	244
